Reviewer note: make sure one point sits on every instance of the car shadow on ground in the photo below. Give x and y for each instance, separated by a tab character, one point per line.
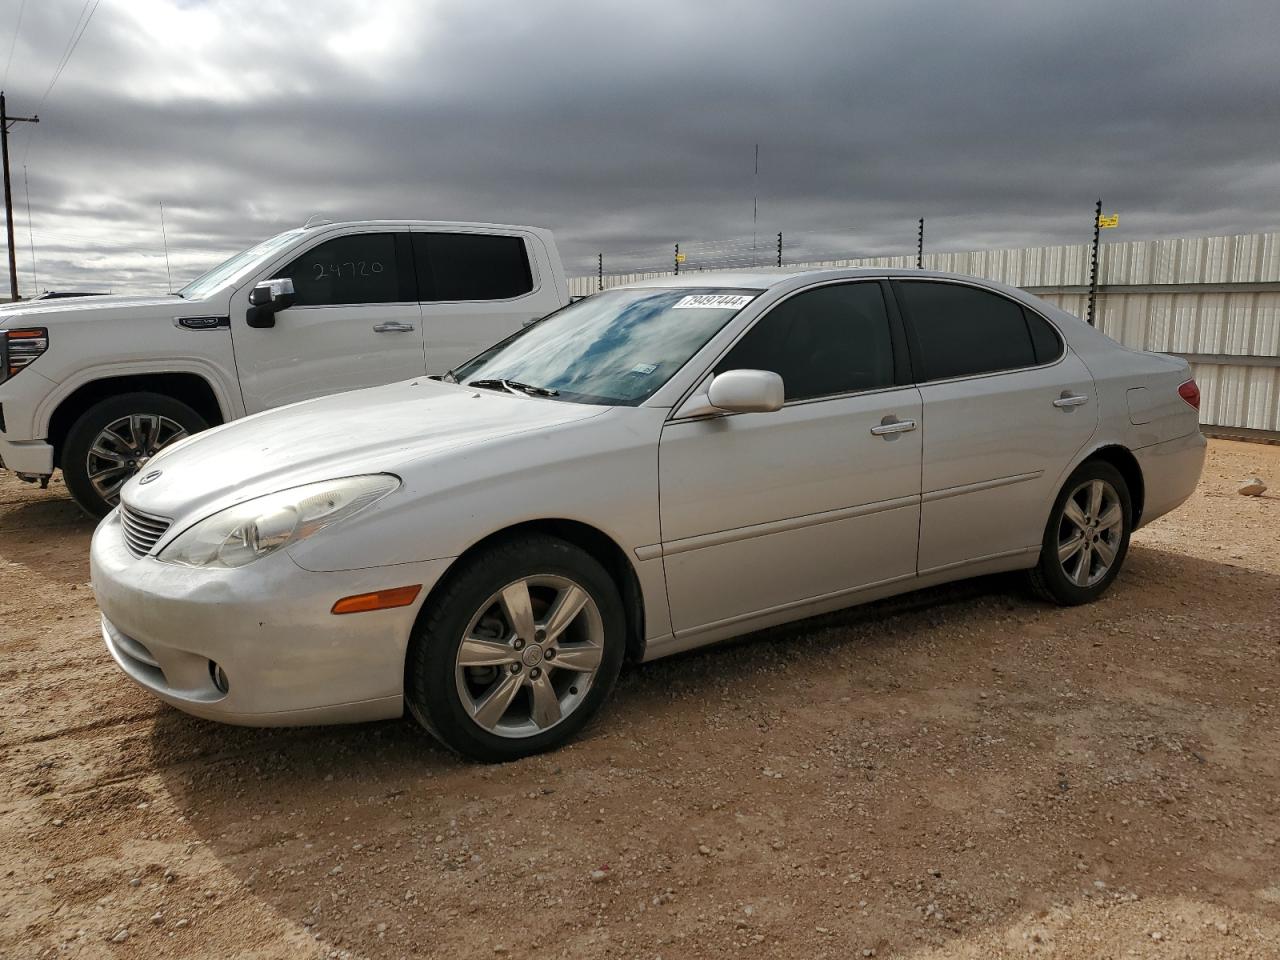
50	536
260	799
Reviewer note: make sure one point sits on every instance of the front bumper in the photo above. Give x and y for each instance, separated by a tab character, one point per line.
26	456
287	660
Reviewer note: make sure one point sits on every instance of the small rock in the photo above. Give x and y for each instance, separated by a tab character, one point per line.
1221	927
58	822
599	876
1157	935
1253	487
121	936
182	923
157	917
135	882
704	850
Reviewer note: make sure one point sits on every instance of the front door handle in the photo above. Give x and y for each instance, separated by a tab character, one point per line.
1068	400
891	425
393	326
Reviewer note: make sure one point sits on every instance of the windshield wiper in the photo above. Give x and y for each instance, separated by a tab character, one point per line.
514	386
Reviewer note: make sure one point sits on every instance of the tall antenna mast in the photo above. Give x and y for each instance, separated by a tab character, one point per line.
31	237
165	236
755	204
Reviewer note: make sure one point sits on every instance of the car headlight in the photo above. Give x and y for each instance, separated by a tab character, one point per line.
255	528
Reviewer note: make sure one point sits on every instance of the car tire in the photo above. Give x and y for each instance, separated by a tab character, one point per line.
492	699
1085	541
91	479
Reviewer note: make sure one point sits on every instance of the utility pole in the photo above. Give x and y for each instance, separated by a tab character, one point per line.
678	258
920	245
600	271
1093	264
5	120
779	248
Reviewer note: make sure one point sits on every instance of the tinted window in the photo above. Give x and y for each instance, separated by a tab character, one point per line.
355	269
963	330
471	266
1044	339
831	340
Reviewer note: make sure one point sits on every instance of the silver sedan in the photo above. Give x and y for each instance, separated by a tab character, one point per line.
654	468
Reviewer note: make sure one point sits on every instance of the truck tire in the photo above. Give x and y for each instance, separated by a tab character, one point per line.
113	439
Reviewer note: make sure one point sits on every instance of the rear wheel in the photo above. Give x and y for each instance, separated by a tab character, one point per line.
518	651
115	438
1087	537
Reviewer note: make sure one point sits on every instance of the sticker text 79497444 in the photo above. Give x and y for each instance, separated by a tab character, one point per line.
722	301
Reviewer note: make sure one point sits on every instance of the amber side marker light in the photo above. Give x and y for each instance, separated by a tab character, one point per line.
378	600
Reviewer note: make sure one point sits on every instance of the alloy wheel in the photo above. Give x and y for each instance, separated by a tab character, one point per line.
529	656
124	446
1090	532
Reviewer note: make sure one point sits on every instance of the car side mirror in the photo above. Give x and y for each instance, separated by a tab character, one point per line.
267	299
747	391
736	391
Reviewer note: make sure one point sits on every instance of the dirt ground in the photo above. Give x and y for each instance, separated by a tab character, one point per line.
967	773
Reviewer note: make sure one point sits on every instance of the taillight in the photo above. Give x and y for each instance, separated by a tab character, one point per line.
1189	392
19	347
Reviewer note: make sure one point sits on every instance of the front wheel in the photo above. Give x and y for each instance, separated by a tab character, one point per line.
1087	537
518	651
114	439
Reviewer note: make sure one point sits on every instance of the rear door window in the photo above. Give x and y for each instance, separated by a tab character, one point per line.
963	331
471	266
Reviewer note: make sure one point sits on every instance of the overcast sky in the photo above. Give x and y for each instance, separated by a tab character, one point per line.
626	126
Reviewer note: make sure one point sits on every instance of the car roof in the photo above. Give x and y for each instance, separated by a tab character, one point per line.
765	278
320	225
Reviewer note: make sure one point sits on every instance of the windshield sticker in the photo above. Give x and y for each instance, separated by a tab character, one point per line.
717	301
644	369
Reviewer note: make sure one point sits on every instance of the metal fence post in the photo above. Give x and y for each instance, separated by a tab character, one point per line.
1093	266
677	259
779	248
599	271
920	246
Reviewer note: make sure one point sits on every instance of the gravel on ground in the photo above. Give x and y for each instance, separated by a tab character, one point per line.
966	772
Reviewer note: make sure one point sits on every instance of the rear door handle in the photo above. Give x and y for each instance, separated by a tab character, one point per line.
890	425
1070	400
393	326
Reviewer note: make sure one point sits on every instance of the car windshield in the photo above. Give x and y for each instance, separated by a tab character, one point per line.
241	263
614	348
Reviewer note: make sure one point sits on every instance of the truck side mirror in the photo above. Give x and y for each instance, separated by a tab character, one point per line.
267	299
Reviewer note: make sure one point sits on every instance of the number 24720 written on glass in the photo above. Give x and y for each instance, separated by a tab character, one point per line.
348	268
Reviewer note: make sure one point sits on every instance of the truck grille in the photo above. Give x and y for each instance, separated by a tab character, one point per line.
141	530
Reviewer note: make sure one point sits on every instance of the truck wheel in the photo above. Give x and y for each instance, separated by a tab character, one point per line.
114	438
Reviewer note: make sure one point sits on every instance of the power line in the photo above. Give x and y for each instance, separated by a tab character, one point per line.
73	41
13	44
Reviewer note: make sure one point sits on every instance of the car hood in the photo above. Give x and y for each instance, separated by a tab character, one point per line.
378	430
99	307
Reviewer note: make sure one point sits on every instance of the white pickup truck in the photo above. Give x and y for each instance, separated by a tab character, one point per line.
96	385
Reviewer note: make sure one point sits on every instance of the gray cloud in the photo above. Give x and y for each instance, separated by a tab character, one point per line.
626	127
